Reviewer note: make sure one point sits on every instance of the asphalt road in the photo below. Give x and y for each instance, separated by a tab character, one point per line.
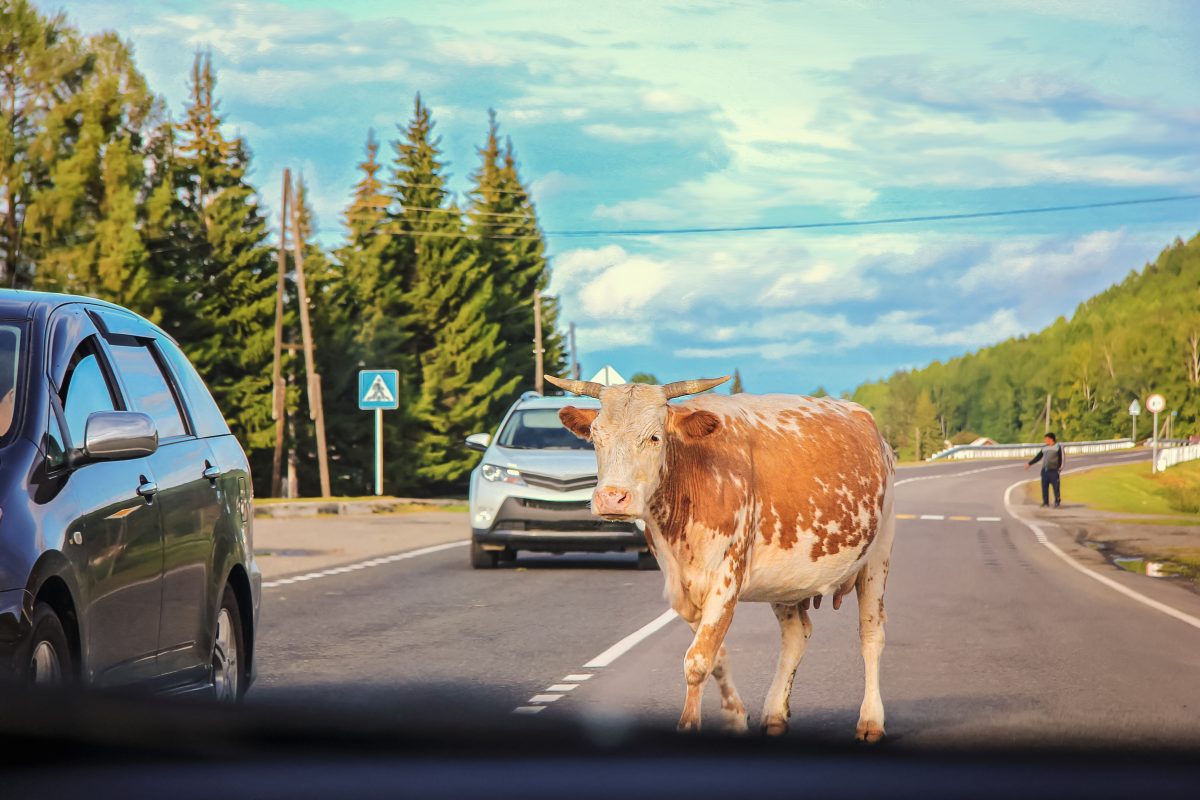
992	637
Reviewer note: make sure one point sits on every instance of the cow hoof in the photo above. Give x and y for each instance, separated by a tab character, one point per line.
688	726
735	723
775	726
869	732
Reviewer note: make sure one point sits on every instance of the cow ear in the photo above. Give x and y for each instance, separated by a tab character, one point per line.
579	420
692	424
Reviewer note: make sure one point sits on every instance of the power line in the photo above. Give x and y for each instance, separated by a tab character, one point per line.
600	232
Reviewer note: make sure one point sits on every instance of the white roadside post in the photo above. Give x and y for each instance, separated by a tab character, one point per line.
378	391
1154	404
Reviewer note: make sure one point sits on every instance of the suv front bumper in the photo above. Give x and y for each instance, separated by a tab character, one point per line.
525	523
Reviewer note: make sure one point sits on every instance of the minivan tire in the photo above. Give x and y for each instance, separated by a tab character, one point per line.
229	651
646	561
48	651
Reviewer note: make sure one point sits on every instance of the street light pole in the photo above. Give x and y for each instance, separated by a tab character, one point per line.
537	341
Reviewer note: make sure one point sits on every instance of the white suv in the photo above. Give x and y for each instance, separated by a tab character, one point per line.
533	489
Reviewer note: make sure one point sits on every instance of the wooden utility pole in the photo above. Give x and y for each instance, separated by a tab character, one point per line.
316	410
278	389
1047	413
574	359
537	341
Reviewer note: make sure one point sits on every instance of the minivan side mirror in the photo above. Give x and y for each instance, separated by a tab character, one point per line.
117	435
479	441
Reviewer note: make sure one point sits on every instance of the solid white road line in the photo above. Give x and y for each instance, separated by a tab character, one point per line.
1040	535
374	562
629	642
903	481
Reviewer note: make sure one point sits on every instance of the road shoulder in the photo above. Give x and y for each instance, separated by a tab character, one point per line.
292	546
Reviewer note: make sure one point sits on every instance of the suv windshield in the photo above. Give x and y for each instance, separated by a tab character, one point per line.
10	350
539	429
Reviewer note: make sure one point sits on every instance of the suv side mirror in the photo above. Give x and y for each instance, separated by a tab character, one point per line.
117	435
479	441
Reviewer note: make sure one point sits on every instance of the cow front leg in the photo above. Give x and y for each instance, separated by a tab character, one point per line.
703	656
871	618
795	629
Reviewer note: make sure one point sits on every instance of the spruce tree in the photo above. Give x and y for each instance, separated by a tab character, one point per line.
735	386
223	297
503	221
454	340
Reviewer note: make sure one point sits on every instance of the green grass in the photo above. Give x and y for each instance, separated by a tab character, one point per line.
268	501
402	508
1132	489
1174	522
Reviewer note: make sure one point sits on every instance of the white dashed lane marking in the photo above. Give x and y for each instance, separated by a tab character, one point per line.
374	562
557	691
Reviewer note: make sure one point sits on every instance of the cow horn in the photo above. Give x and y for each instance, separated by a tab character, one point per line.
585	388
680	388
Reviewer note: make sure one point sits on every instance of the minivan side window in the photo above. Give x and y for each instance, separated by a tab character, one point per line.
149	389
207	418
85	390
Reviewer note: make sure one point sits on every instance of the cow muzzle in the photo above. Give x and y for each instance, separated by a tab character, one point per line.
612	502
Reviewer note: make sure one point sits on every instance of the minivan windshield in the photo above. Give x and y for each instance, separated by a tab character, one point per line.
10	351
539	429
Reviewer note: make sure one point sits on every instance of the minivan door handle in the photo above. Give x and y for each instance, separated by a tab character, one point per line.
211	472
148	489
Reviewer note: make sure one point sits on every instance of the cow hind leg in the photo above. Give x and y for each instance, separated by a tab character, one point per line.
871	618
795	628
733	711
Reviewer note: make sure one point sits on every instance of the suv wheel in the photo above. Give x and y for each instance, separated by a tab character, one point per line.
483	559
646	560
49	661
228	656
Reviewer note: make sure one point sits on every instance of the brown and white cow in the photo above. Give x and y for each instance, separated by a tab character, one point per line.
777	499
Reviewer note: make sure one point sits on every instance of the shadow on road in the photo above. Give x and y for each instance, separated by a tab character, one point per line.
596	561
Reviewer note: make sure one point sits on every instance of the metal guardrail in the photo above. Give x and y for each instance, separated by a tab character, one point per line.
1028	450
1170	456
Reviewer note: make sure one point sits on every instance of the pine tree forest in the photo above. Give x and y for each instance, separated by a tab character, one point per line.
106	192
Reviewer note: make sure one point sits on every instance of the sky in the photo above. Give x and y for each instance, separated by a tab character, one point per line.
635	115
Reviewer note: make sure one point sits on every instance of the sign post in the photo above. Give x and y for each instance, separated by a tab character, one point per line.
378	390
1135	408
1154	404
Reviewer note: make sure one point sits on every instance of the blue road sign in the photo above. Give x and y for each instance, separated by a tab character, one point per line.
378	388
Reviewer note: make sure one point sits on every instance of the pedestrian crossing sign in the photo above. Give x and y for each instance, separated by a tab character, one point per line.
378	388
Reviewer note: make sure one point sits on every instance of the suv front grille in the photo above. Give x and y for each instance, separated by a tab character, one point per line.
559	484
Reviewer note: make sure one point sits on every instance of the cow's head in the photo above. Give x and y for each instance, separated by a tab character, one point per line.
630	431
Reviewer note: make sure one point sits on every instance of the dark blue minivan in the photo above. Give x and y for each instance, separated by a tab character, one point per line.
126	516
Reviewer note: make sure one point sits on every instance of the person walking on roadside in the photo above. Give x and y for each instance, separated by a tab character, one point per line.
1051	456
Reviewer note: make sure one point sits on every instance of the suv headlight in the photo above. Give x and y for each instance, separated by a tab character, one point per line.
497	474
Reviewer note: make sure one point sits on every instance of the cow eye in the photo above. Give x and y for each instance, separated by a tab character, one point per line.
655	439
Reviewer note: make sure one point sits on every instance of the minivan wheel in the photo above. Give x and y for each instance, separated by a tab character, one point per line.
228	656
49	661
483	559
